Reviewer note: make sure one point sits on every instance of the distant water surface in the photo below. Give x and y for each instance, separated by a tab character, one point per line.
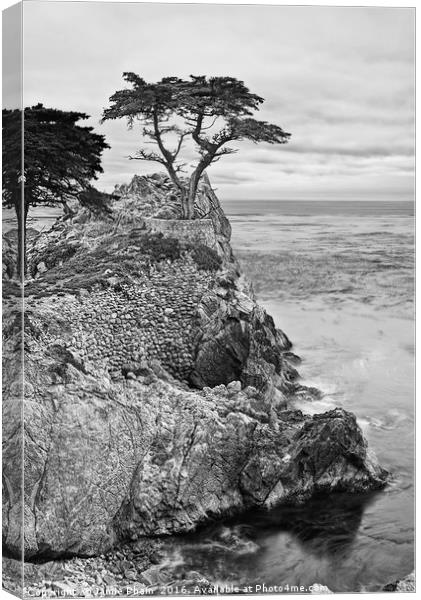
318	208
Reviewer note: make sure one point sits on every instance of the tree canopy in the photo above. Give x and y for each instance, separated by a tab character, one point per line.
60	159
210	111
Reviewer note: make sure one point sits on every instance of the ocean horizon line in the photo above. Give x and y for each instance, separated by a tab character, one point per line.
317	200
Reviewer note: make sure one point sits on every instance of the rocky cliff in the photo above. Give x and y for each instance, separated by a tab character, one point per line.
157	391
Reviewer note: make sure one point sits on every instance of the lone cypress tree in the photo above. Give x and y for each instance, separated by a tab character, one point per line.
60	159
211	111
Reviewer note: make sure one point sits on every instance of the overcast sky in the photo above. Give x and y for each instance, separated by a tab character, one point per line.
341	80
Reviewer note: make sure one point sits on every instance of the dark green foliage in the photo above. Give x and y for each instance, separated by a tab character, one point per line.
85	269
61	158
206	258
215	111
157	247
97	202
53	255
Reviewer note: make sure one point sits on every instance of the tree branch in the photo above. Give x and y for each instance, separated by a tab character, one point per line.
157	134
212	124
180	143
152	156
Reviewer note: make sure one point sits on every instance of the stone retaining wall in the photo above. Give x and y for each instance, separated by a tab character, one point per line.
152	319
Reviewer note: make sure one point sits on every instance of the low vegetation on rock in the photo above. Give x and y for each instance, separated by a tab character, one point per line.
206	258
157	247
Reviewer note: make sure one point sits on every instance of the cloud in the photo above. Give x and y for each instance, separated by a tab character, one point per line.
327	74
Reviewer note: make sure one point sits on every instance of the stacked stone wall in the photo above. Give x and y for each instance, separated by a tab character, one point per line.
118	331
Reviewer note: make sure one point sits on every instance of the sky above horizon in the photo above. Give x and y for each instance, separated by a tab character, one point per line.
341	80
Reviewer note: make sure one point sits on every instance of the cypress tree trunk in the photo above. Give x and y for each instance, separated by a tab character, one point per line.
194	183
21	214
184	204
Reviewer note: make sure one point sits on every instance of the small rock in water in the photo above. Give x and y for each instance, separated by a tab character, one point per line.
292	358
402	585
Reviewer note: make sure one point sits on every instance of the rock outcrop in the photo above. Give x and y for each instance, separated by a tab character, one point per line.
157	391
407	584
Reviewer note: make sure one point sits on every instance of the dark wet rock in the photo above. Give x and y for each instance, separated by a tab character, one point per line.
221	357
331	450
238	340
292	358
407	584
304	392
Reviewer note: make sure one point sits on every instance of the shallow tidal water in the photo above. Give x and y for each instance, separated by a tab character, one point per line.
338	279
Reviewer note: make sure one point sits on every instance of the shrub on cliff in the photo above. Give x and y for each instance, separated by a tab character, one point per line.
97	202
206	258
54	254
158	247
